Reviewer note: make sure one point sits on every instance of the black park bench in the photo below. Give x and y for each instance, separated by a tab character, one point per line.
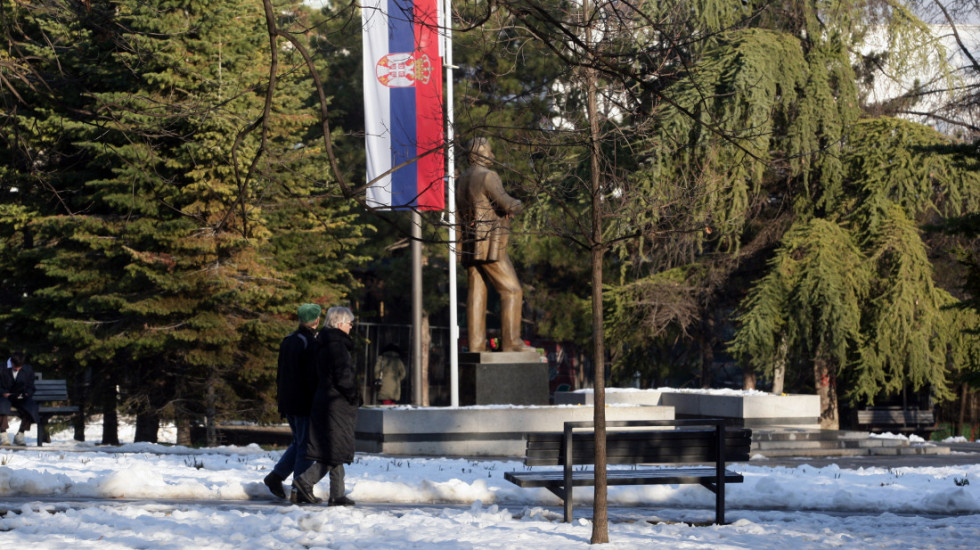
701	445
896	419
47	395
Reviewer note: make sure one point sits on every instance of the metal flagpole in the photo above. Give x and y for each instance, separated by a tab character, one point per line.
451	205
416	247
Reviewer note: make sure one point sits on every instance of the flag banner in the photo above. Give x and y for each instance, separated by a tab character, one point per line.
403	104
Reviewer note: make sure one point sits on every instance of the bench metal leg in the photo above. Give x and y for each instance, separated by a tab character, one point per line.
720	504
567	469
720	473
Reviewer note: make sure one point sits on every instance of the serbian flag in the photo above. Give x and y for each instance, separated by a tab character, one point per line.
403	105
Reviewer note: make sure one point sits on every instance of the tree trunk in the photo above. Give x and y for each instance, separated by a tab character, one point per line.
147	426
600	519
110	418
961	421
779	369
825	380
778	379
83	386
707	350
210	413
748	377
78	423
182	418
426	343
183	423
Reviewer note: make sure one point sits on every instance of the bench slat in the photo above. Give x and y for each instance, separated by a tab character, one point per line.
643	440
896	419
50	390
656	446
67	409
38	397
658	476
628	446
552	440
668	456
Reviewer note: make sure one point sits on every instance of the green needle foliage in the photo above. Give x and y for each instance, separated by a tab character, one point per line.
894	327
811	296
907	320
174	214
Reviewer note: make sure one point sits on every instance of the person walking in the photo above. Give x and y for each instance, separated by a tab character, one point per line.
334	411
17	391
389	371
295	384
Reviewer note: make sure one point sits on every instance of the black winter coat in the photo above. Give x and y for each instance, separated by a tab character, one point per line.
21	391
296	373
335	402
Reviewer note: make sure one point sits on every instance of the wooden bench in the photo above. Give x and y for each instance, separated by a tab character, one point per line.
879	419
50	391
695	441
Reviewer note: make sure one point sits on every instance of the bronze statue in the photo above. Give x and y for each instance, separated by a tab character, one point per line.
485	210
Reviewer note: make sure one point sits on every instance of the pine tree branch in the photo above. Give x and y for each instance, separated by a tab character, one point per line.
321	95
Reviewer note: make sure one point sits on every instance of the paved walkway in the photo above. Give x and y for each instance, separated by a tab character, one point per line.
617	513
960	453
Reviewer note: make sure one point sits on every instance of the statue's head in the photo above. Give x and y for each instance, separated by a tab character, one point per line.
479	151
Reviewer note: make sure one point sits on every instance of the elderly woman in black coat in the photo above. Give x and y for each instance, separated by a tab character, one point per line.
334	411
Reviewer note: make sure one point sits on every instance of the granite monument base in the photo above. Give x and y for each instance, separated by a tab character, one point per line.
492	430
502	378
751	409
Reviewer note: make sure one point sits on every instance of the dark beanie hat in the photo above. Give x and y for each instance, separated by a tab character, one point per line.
308	312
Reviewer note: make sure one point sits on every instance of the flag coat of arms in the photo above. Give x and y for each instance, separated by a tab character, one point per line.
403	104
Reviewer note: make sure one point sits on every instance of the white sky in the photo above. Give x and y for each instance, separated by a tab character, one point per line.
71	495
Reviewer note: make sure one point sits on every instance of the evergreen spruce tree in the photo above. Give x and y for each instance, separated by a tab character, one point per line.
201	220
812	297
907	332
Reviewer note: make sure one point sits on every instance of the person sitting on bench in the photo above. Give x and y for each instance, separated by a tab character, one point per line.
17	390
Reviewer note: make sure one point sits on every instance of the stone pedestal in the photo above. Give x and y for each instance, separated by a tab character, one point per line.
751	409
502	378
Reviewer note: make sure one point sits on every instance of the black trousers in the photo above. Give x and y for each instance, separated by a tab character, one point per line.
315	473
23	409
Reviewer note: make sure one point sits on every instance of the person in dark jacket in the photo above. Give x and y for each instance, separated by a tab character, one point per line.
17	390
295	383
334	411
389	371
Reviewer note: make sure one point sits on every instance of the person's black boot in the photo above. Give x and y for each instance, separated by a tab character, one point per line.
340	501
303	494
274	482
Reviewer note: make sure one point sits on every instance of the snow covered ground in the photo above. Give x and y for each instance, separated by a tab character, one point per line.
76	495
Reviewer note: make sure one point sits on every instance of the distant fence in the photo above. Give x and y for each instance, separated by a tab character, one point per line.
371	338
568	368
